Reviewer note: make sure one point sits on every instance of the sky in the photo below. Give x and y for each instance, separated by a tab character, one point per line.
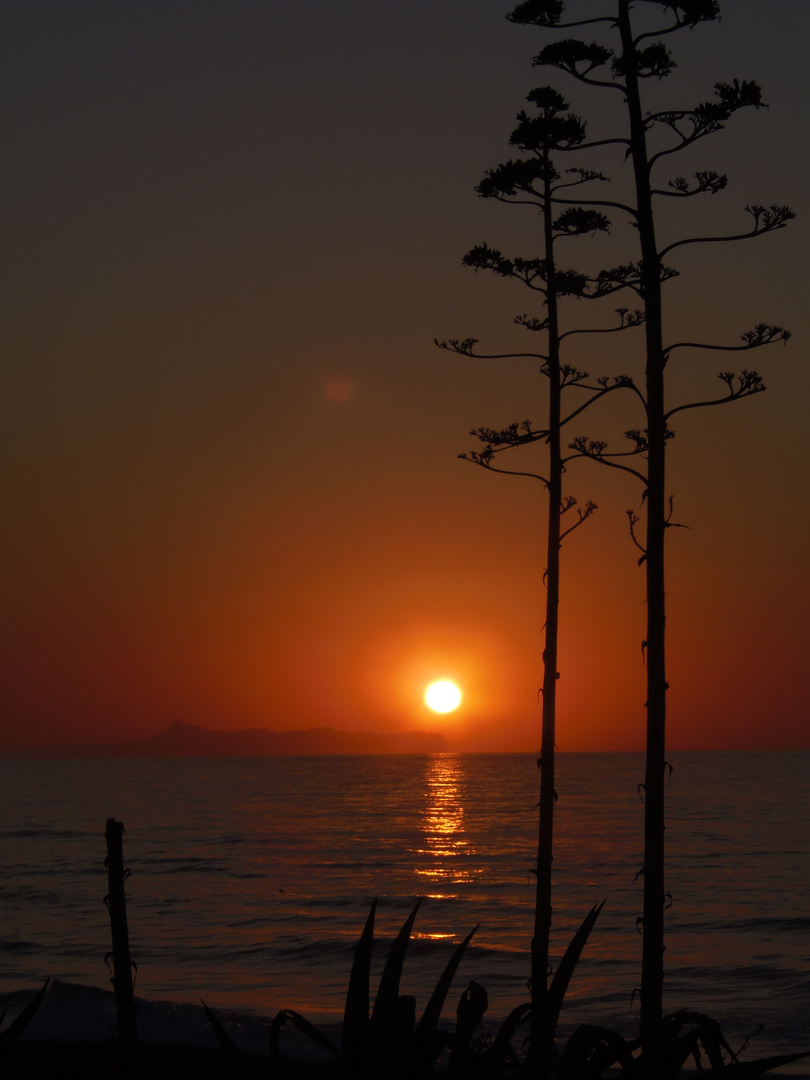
231	480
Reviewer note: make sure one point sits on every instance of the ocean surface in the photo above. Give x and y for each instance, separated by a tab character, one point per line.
251	880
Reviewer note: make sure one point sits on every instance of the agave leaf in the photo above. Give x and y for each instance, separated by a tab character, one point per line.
285	1016
13	1032
226	1044
430	1018
565	969
469	1014
704	1031
497	1053
401	1030
355	1015
744	1070
385	1004
276	1024
426	1052
591	1049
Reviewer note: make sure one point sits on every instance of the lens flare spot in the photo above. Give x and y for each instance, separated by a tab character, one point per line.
338	389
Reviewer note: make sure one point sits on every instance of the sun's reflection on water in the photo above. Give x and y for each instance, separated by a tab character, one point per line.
444	857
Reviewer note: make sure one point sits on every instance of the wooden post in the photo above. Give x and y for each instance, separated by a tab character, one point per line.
122	963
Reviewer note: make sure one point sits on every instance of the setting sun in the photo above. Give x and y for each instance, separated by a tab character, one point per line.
442	696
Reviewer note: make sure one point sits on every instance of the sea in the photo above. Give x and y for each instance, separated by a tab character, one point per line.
251	880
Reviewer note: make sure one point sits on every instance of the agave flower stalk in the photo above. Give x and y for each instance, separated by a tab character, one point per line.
535	181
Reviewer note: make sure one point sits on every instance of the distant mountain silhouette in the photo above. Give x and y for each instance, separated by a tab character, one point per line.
188	740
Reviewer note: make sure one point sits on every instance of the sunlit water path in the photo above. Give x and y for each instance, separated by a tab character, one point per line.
251	879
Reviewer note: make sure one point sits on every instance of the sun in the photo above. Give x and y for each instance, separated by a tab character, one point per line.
442	696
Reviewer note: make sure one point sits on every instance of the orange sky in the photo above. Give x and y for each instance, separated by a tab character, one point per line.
232	490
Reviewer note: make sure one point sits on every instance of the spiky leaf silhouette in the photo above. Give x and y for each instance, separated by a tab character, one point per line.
469	1014
290	1016
231	1051
426	1046
432	1013
565	969
388	991
355	1015
13	1033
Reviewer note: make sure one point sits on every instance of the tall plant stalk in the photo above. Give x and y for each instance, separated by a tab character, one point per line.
536	181
541	1036
126	1008
652	961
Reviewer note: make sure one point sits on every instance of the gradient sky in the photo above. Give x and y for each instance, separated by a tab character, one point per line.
232	492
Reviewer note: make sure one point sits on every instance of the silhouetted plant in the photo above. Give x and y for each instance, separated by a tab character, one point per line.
624	69
386	1039
123	965
687	1037
388	1036
535	181
15	1030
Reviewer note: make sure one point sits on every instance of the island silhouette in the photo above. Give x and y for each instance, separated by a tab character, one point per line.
189	740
